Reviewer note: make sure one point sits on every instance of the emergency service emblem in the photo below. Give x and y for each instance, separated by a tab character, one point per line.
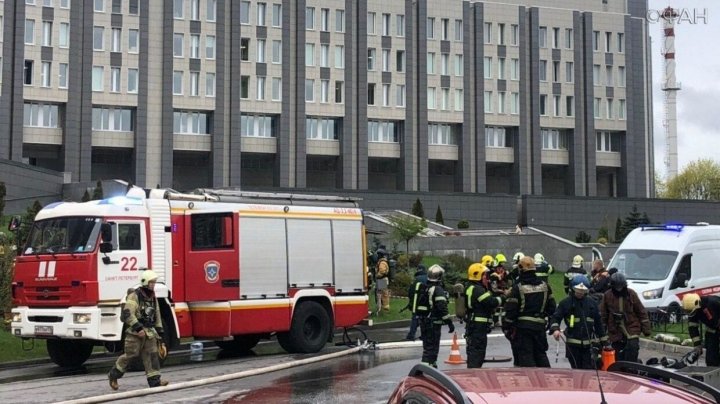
212	271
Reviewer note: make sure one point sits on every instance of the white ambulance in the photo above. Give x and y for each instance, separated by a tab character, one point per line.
664	262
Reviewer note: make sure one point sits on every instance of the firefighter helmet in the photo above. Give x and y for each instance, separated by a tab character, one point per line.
487	260
500	258
527	263
577	261
691	302
476	271
147	276
435	273
539	259
618	281
518	255
580	283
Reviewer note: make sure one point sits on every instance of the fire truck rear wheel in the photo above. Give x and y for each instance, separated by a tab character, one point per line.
240	344
308	331
69	353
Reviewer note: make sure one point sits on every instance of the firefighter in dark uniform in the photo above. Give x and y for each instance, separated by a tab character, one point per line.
144	332
705	310
625	317
481	304
542	269
575	269
527	308
584	329
430	325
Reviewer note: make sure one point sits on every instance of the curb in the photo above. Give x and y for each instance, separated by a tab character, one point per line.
665	347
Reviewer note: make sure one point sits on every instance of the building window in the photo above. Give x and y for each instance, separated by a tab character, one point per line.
244	87
444	29
261	51
568	38
596	41
309	90
488	101
339	85
324	19
28	72
371	59
556	105
621	42
501	34
621	76
324	91
339	56
210	46
386	24
211	10
487	67
501	102
63	75
430	28
116	40
277	15
190	123
256	126
45	69
261	11
371	23
554	139
400	61
622	109
177	83
133	40
210	84
501	68
542	37
309	54
442	134
277	52
608	42
245	49
322	128
556	72
596	75
444	64
132	81
371	93
324	55
276	89
569	105
556	38
543	70
194	46
609	113
99	5
98	78
445	99
514	103
607	141
244	12
194	84
400	96
495	136
609	81
459	65
29	32
178	45
64	35
459	34
98	38
112	119
178	9
47	33
386	60
488	32
459	100
569	72
386	95
400	25
195	10
543	104
66	3
339	20
260	95
383	132
514	34
40	115
514	69
596	108
114	79
431	98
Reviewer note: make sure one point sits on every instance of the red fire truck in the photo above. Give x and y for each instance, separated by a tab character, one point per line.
234	267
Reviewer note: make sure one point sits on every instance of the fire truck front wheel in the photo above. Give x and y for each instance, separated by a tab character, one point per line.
309	329
69	353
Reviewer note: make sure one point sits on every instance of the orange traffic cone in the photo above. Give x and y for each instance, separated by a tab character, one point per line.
455	357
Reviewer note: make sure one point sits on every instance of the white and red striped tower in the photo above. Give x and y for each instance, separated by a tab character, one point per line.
670	87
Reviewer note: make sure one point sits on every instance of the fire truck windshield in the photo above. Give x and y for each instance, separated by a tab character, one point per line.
63	235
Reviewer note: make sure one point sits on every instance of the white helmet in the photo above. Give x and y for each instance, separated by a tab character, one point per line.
435	273
147	276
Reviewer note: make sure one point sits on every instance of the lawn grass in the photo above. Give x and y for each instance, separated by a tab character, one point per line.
16	349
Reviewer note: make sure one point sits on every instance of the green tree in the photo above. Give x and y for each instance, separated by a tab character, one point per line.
86	196
618	230
463	224
3	192
603	233
439	216
28	220
406	228
660	186
417	208
633	220
98	192
699	180
582	237
7	256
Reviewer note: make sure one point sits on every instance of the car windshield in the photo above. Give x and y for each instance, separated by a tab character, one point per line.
648	265
63	235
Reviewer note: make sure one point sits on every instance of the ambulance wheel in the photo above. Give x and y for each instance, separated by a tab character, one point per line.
69	353
240	343
308	331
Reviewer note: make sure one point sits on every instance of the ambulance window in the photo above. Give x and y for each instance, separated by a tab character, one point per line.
683	273
212	230
129	236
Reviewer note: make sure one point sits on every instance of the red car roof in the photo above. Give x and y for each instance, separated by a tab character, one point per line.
535	385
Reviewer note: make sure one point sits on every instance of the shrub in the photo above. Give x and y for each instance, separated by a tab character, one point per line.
417	209
439	216
455	268
400	283
402	261
415	260
463	224
602	240
582	237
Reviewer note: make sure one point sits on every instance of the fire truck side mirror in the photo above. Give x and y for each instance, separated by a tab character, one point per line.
15	223
106	232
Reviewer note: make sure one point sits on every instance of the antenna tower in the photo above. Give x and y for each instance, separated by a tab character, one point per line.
670	86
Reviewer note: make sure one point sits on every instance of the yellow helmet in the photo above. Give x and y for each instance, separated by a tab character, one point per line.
476	271
147	276
500	258
487	260
690	302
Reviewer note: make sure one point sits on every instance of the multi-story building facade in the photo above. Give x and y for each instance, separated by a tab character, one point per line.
520	96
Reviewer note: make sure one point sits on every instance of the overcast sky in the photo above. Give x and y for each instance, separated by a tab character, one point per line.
698	69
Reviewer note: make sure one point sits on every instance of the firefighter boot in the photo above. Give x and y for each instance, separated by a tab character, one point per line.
113	377
155	381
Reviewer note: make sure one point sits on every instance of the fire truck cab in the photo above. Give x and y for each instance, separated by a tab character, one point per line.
234	267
